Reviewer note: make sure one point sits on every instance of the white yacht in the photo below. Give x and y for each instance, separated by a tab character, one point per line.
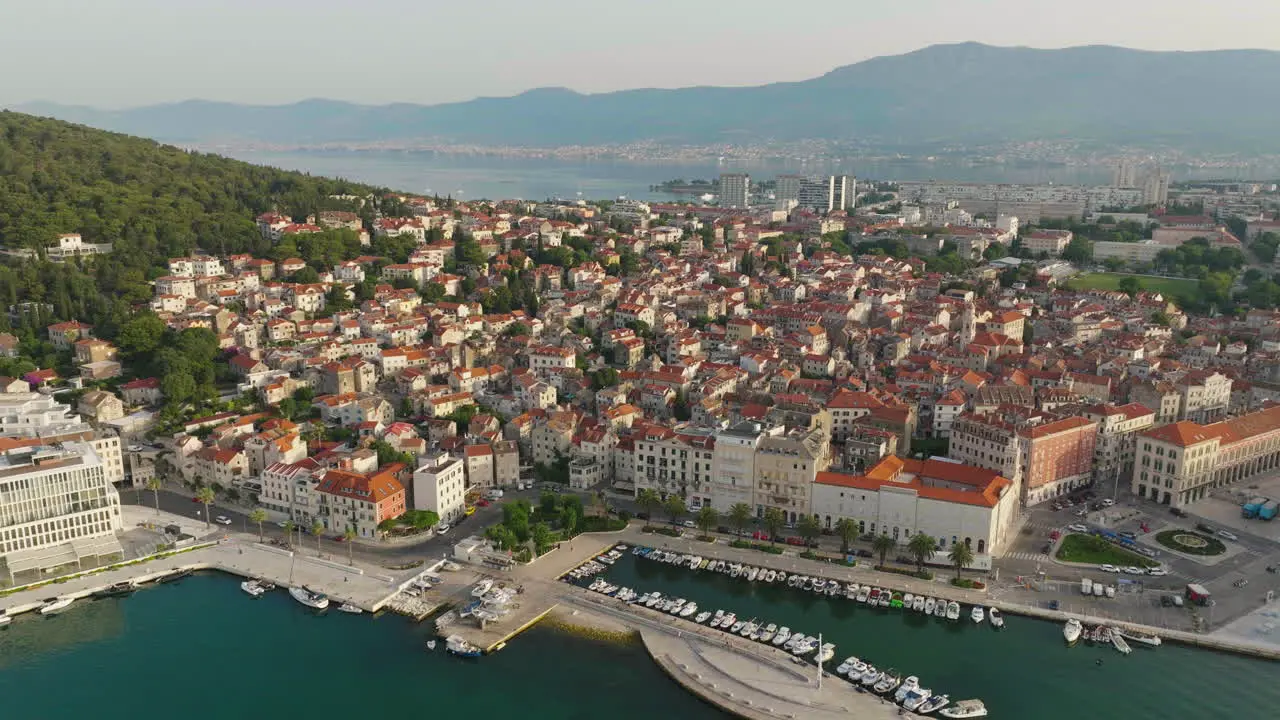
888	683
252	588
1071	631
996	618
845	666
871	676
907	601
977	614
907	686
953	610
826	652
702	616
928	605
782	636
747	628
856	670
56	604
688	609
349	609
965	709
916	698
936	702
1140	637
482	587
863	592
918	604
309	597
736	627
769	631
940	608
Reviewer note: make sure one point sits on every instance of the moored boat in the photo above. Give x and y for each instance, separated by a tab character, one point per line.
1140	637
953	610
349	609
1119	644
783	635
309	597
907	686
826	652
702	617
870	676
176	576
252	588
688	609
119	589
996	618
888	683
916	698
977	614
857	669
965	709
917	604
56	604
929	604
769	631
457	646
864	592
1071	631
940	608
936	702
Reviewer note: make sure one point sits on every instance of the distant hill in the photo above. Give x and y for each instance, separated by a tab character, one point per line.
944	93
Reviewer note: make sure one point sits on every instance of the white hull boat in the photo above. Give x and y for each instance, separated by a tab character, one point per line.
965	709
1119	644
783	636
918	604
888	683
826	652
349	609
870	676
937	702
953	610
907	686
1071	631
916	698
977	615
55	605
252	588
702	617
689	609
1140	638
996	617
928	605
769	631
314	600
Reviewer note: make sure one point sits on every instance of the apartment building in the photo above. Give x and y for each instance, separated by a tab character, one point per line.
1180	463
56	508
733	466
349	500
786	464
735	190
440	485
680	463
1045	455
1118	430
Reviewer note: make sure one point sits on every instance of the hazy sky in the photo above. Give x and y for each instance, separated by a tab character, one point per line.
115	53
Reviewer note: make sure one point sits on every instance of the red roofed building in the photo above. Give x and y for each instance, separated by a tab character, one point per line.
1044	454
359	502
952	502
1180	463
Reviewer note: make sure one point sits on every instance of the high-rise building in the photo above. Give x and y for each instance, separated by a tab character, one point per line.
735	190
1126	174
832	192
1155	186
56	507
787	188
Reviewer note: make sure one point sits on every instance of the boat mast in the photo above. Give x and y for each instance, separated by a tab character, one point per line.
819	662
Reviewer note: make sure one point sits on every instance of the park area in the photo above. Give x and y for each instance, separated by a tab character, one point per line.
1149	283
1094	550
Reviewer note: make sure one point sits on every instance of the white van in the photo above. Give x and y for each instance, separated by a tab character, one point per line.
494	494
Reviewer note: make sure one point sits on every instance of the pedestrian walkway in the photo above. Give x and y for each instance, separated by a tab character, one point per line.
1021	555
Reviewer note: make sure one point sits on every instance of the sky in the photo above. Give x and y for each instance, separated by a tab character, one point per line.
122	53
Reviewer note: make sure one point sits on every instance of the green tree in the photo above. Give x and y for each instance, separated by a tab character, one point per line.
675	508
515	517
809	529
289	527
740	517
349	535
541	538
882	544
205	496
921	547
960	555
154	483
317	529
1130	285
649	500
773	521
1079	250
706	519
848	532
141	336
178	387
258	516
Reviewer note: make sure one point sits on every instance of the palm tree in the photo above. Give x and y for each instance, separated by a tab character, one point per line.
848	532
350	535
317	529
960	556
882	544
258	516
154	483
649	500
921	547
675	508
205	495
740	516
809	529
773	522
288	532
707	519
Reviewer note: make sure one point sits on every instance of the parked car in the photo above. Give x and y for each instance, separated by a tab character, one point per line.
1044	549
1077	527
1055	535
1108	502
222	520
1134	570
442	528
1157	572
1127	534
759	535
689	524
1109	568
1227	536
795	540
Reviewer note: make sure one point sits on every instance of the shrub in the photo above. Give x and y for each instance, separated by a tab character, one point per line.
967	583
920	574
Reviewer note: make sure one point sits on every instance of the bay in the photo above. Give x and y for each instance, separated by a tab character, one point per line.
202	649
1023	671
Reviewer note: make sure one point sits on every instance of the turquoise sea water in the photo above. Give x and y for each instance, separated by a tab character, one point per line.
1023	671
202	649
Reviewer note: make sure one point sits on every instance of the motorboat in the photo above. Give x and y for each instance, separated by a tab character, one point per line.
908	600
826	652
119	589
845	665
349	609
176	576
782	577
771	576
715	618
782	636
667	605
431	644
252	588
977	614
702	616
737	626
653	600
1119	644
747	628
769	631
870	676
874	597
916	698
928	605
888	683
886	598
851	592
752	573
269	586
856	670
819	585
457	646
940	608
736	571
728	620
309	597
996	617
482	587
56	604
917	604
937	702
804	648
911	683
953	610
834	589
1140	637
794	642
965	709
5	619
807	583
863	593
1071	631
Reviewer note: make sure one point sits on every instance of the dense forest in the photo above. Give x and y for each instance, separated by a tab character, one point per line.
151	201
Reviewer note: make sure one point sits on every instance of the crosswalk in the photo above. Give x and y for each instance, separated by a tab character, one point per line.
1019	555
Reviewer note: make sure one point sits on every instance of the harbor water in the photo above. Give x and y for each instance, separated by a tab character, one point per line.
1023	671
201	648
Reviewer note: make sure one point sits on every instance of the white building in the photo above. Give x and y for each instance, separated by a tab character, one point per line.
35	415
440	484
56	508
951	502
733	467
735	190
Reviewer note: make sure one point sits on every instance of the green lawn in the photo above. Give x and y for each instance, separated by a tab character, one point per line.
1094	550
1111	281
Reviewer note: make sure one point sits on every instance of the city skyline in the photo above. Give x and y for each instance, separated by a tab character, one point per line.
123	54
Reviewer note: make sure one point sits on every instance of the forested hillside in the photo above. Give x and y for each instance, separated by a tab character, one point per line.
152	201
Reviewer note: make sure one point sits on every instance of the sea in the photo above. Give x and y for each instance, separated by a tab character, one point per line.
1025	671
201	648
477	176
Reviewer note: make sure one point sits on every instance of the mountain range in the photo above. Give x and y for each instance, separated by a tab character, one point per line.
960	93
